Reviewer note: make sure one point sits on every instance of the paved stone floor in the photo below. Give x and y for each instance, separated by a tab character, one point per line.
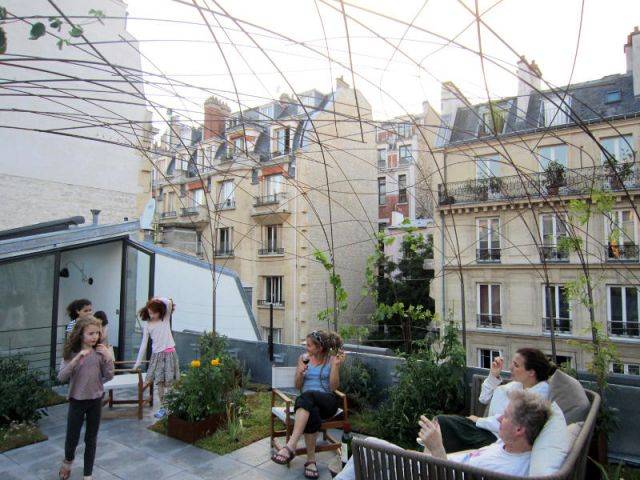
128	450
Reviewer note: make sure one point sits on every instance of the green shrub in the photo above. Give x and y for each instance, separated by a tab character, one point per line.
22	392
358	381
430	382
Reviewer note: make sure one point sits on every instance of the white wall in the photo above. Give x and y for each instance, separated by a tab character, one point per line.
103	263
82	172
190	286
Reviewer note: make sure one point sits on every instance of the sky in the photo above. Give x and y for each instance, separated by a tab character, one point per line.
401	50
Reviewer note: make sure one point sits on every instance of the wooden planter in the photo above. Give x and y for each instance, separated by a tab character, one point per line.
191	432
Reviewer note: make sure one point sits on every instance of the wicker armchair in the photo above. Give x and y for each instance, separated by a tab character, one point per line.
373	462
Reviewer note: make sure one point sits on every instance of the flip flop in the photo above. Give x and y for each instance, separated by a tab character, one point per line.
281	459
309	473
65	470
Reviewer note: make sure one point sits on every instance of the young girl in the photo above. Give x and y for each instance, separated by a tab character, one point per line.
163	366
318	377
86	364
77	309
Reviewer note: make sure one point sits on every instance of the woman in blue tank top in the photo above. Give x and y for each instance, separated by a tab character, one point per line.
317	376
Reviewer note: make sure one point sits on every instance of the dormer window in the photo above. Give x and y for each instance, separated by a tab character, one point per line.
492	120
555	111
282	141
613	97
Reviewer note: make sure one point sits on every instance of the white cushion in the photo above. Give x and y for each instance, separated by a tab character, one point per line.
280	414
552	445
574	430
123	381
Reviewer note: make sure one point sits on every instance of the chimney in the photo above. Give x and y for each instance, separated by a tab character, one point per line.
632	54
216	113
95	213
341	84
529	76
450	100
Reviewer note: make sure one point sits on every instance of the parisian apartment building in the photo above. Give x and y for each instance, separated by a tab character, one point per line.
406	163
508	171
258	191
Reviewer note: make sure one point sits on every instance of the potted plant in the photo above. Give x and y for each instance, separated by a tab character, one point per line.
198	403
618	172
554	177
479	189
495	187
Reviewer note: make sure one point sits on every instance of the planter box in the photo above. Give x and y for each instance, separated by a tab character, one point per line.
191	432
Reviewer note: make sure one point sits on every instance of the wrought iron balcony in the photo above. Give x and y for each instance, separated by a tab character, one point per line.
224	252
624	329
170	214
488	255
489	321
271	251
266	303
190	211
573	181
553	254
273	199
228	204
560	325
621	253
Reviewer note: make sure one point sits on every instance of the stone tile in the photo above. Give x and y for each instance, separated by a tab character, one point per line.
186	476
6	462
32	453
53	431
17	472
48	466
110	460
254	454
192	457
145	468
281	472
160	446
222	468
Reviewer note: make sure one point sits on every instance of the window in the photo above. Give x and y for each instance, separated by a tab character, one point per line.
488	306
227	195
271	239
277	334
429	255
282	141
623	311
487	166
620	231
225	247
620	148
563	360
555	305
402	189
404	130
170	202
488	238
273	290
267	112
197	197
404	154
626	368
554	153
382	191
238	145
486	356
230	150
273	184
382	158
553	230
613	96
555	111
492	121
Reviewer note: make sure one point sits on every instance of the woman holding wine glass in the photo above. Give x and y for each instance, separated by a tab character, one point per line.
317	376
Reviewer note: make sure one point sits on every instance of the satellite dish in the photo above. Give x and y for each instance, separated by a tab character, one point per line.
146	219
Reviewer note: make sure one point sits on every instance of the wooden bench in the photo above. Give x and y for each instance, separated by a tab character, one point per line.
125	378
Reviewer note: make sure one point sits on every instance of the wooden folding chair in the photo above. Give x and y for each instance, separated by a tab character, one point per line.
127	378
283	382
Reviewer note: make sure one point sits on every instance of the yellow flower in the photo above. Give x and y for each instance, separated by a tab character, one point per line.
195	363
215	362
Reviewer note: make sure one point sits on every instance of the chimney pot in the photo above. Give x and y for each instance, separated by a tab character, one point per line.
216	113
95	213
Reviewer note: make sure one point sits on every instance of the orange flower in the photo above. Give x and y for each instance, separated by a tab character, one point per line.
195	363
215	362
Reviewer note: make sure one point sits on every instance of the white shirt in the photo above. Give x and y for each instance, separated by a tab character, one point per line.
160	333
498	395
495	458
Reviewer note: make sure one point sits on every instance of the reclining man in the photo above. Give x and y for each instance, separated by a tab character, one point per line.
520	425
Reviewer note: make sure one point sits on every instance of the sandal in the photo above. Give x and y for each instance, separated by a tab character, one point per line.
280	459
65	470
310	473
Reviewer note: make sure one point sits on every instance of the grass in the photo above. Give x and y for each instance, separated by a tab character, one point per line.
255	426
19	435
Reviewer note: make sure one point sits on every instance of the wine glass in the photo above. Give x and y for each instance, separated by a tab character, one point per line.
305	358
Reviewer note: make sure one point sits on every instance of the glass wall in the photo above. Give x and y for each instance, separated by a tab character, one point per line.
137	294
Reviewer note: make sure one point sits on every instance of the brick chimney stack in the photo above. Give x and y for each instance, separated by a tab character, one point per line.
632	54
216	113
529	80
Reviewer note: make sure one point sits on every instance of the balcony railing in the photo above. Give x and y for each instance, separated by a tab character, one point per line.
224	252
622	253
171	214
560	325
575	181
189	211
272	199
624	329
554	254
486	320
271	251
228	204
488	255
266	303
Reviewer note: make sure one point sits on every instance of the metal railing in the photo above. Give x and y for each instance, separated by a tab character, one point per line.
271	251
573	181
226	205
488	255
268	199
266	303
624	329
489	321
224	252
554	254
170	214
560	325
622	252
189	211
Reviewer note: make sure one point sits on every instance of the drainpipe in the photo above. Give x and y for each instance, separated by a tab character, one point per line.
95	213
442	256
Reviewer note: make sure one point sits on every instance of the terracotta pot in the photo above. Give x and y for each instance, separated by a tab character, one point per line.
191	432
